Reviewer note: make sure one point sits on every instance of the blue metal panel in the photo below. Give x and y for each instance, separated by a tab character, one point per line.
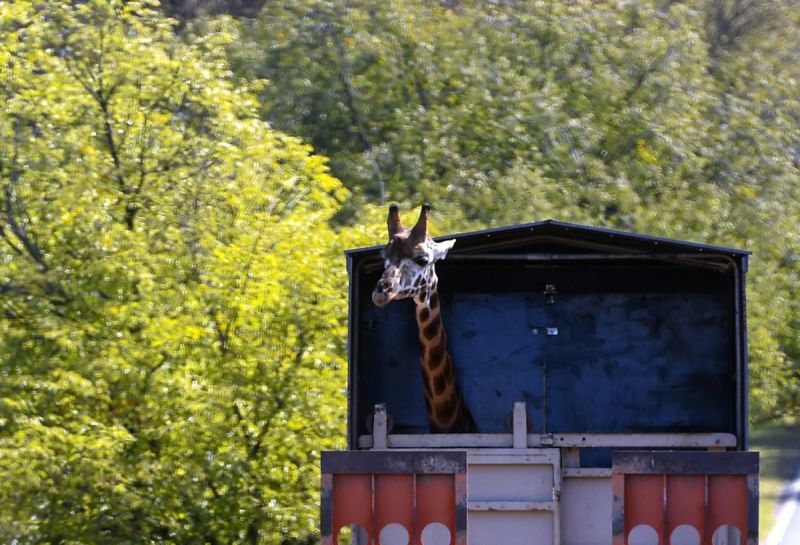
389	370
641	346
500	360
640	362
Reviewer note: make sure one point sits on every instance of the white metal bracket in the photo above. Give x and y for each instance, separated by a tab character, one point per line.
520	427
380	428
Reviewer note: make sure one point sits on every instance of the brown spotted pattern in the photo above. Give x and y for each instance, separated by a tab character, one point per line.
409	271
447	412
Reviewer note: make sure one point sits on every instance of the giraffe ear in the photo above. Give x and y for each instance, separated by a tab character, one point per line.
393	222
440	249
420	231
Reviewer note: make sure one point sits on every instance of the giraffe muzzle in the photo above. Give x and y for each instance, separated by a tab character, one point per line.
381	298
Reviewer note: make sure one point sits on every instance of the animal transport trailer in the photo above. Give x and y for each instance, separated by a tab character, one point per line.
607	376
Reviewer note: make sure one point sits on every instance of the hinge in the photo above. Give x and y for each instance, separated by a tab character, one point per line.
550	294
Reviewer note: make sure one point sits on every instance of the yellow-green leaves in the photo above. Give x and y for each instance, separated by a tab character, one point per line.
171	302
672	118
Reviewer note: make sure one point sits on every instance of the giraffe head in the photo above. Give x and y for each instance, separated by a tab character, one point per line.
409	260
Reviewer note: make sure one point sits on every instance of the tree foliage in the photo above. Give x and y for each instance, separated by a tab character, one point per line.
171	335
677	118
171	288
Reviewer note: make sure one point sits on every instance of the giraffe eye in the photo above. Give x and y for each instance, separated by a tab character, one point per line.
421	260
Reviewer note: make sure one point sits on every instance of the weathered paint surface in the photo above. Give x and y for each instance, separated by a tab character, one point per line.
565	440
686	463
710	493
394	462
586	509
611	339
513	497
654	347
418	491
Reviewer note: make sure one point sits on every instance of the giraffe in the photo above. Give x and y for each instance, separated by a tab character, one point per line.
409	260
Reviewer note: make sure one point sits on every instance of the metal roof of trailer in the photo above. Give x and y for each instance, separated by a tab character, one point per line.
595	238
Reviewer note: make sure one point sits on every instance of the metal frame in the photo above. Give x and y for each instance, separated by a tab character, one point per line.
544	457
601	245
684	464
376	463
744	375
566	440
521	439
612	236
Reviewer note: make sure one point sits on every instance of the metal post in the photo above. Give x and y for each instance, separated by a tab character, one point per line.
520	429
379	428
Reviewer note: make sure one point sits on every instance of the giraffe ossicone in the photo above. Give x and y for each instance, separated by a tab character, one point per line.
409	272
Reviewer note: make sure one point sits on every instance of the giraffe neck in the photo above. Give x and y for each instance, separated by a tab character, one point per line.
447	412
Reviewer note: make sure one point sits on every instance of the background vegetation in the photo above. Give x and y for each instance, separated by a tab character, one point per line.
778	446
176	196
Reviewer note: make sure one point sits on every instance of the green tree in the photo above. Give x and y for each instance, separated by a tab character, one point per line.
458	103
171	319
677	118
753	59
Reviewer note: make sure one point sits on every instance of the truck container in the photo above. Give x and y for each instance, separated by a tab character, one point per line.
606	372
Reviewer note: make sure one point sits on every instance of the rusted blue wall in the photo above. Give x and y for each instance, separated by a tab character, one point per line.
641	346
638	350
